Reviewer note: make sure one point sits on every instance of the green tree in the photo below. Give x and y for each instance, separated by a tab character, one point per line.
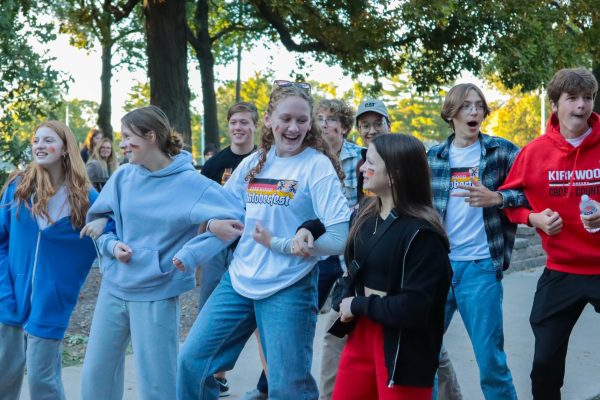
537	37
28	84
116	27
517	119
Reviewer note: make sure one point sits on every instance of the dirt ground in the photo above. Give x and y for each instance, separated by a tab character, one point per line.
75	341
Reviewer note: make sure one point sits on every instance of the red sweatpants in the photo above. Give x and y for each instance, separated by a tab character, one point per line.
362	374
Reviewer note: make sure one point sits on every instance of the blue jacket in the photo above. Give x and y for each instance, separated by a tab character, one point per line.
41	271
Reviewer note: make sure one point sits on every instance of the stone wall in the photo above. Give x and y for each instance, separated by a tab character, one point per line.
528	252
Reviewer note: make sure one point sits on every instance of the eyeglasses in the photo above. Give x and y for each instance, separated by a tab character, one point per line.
301	85
377	125
468	108
329	120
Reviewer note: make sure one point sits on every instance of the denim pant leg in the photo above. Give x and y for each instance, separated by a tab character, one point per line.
212	272
44	368
286	322
12	360
479	300
215	342
103	372
153	323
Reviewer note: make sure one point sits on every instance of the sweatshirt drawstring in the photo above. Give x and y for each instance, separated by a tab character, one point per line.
573	172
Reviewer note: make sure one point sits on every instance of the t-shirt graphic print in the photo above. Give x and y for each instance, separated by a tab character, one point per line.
274	192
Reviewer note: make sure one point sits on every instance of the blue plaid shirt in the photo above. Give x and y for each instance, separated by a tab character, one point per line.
497	156
350	155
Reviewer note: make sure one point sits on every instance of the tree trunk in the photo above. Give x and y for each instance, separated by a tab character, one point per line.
167	62
104	111
207	73
596	71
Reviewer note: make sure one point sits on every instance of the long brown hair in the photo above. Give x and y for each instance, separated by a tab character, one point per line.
111	162
88	143
312	139
144	120
36	181
407	169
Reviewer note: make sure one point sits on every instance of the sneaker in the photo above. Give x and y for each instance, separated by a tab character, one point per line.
255	394
223	387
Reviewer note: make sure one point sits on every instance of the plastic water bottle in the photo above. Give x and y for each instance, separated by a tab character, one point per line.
588	207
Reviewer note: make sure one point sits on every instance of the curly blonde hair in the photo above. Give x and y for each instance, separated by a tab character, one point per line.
312	139
36	180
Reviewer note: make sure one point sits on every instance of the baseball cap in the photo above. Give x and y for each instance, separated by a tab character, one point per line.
372	105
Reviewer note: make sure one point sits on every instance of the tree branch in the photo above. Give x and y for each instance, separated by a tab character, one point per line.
284	34
123	11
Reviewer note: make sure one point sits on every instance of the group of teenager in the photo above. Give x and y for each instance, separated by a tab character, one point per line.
414	235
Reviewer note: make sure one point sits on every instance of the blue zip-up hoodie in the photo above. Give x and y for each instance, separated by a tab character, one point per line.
41	271
157	214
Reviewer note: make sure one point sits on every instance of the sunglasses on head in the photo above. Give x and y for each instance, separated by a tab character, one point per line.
301	85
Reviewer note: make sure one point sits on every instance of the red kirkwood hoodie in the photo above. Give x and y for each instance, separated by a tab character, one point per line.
554	174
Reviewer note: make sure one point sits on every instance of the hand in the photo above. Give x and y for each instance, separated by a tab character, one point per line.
94	228
302	243
226	229
262	235
592	221
122	252
478	195
178	264
548	221
345	310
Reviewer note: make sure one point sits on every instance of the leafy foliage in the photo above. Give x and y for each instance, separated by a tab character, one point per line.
28	85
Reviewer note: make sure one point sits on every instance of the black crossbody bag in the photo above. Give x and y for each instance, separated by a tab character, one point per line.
344	286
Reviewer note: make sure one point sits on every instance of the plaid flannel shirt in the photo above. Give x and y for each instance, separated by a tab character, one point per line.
497	156
350	155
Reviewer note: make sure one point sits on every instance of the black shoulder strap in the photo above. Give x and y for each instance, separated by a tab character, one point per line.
357	263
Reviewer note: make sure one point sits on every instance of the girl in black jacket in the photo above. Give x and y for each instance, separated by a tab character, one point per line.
402	281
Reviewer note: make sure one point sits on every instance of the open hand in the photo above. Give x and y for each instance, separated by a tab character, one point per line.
226	229
478	195
93	228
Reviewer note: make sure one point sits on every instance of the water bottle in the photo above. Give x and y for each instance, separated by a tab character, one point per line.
588	207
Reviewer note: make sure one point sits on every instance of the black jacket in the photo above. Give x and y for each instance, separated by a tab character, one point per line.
412	312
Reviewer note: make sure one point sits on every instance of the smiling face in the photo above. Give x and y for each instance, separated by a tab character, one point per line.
467	120
105	149
573	112
374	173
289	121
241	128
134	147
332	131
370	125
48	148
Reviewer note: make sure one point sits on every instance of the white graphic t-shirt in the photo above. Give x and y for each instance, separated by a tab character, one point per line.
287	192
464	224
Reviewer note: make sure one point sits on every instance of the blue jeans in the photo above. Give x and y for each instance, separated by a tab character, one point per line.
286	322
477	295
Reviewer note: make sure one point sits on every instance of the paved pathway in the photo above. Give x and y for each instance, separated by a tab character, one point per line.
583	362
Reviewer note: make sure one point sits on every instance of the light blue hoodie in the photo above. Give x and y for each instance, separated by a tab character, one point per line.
157	214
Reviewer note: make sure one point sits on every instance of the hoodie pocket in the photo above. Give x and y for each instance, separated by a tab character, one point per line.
47	306
143	270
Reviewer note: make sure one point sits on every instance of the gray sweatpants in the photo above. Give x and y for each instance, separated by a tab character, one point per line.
43	360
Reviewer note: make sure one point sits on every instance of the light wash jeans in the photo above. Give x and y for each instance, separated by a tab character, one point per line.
477	295
286	321
152	327
43	360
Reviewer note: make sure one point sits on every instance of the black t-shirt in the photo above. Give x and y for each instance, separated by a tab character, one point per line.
220	166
